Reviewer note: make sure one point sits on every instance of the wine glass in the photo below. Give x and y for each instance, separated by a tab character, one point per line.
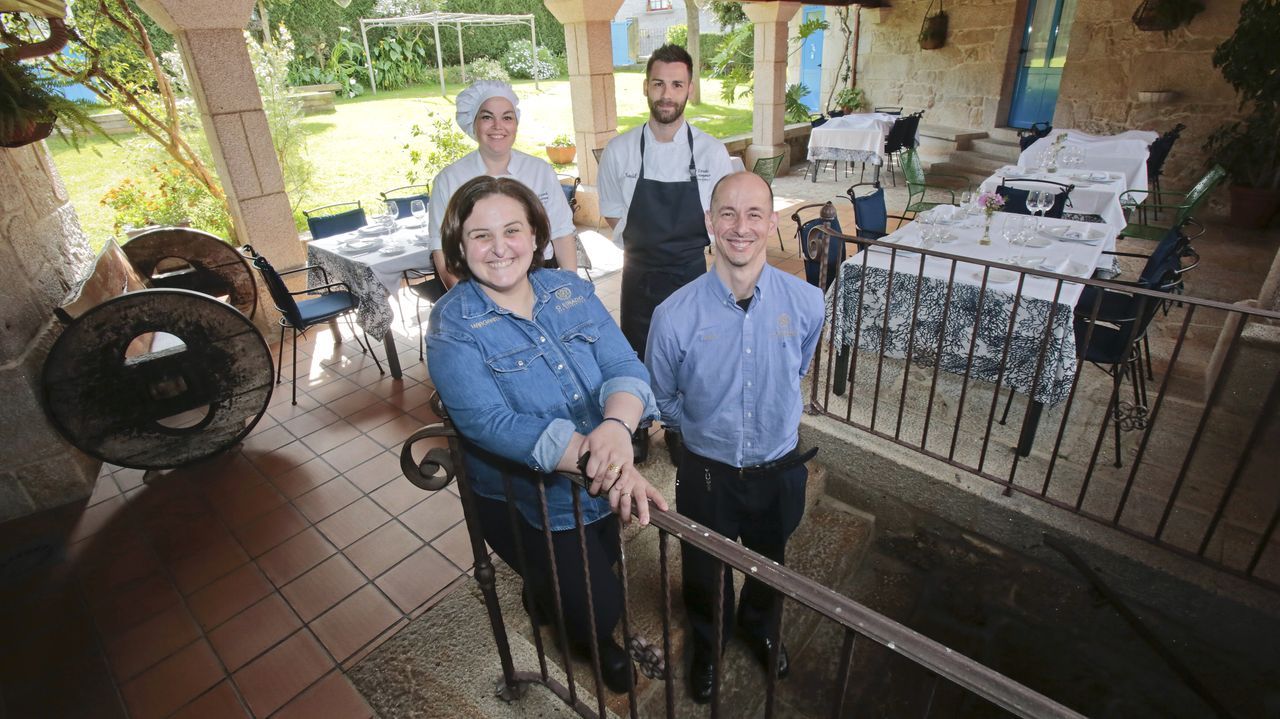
1047	200
418	209
1032	201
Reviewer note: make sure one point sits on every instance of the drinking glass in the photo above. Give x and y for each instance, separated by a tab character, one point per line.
1032	201
418	209
1046	202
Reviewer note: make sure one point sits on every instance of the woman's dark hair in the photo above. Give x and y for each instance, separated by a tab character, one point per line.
464	202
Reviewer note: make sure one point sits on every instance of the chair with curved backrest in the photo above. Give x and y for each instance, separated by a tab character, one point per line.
332	220
919	186
404	197
1015	198
889	109
1157	153
570	184
901	139
1185	205
835	250
331	300
1028	137
429	290
767	168
869	213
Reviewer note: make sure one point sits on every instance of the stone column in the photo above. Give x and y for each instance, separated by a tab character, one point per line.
211	39
769	102
43	252
589	51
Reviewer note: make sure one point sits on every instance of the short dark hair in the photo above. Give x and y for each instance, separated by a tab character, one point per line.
464	202
670	53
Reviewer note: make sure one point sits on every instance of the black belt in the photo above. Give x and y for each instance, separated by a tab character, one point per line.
786	461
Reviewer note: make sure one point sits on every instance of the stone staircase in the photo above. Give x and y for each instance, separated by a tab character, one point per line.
444	663
977	158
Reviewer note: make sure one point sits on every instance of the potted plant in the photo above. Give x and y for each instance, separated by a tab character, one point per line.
849	99
561	150
30	105
933	29
1249	148
1166	15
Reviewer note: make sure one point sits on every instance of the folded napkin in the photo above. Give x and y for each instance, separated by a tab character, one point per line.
1055	265
1064	233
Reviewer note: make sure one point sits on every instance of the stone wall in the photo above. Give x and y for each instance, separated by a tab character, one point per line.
42	252
968	82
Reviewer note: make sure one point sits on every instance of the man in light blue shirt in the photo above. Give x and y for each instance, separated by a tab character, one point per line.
726	354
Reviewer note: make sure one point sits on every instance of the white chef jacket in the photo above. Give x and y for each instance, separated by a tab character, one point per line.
534	173
663	161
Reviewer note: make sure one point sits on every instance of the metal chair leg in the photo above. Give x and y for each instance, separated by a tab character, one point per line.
295	365
280	360
422	332
1007	404
372	354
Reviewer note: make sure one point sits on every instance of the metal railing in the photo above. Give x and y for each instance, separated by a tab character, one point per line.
923	360
437	461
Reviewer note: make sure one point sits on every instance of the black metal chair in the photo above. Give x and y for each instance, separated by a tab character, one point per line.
870	215
836	252
889	109
332	300
901	138
570	184
1157	153
327	221
1028	137
767	168
404	197
1015	198
430	289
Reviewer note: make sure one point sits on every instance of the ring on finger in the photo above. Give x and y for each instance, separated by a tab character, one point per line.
614	469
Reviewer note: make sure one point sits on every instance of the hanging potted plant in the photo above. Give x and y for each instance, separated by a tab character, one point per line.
29	103
1250	148
1166	15
562	150
933	29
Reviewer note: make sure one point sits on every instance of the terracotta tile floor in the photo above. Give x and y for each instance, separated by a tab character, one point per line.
242	586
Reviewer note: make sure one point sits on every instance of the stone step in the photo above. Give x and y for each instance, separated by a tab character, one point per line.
1007	151
976	162
1004	134
939	141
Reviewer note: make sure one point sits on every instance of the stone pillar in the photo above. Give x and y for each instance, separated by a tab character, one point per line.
43	252
588	46
211	39
769	103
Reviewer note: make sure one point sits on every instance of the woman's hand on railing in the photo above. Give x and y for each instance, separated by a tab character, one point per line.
630	491
609	449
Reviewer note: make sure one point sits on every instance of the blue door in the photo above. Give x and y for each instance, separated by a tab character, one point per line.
811	60
621	45
1041	59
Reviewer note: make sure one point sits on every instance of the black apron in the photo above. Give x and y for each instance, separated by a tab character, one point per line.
663	244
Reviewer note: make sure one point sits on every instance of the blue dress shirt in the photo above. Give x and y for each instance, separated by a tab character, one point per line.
729	379
517	389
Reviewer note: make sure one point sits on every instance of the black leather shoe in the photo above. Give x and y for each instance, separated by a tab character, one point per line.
615	667
701	680
640	445
760	648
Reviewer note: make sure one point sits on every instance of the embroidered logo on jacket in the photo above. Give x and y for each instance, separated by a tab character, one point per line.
484	322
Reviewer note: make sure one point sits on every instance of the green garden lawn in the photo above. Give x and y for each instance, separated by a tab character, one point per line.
359	150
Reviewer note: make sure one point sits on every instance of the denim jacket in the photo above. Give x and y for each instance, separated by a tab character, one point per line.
518	389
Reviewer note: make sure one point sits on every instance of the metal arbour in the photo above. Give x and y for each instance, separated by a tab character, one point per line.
437	461
435	20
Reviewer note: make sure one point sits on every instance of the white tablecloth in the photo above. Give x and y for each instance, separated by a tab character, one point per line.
372	276
1101	198
876	283
1119	153
851	138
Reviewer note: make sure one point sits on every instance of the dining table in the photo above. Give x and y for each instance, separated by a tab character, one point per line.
1095	193
891	300
1125	153
371	261
851	138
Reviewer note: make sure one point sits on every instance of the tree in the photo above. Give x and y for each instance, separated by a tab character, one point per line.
692	22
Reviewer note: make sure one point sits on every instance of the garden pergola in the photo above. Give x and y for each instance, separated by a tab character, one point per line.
435	20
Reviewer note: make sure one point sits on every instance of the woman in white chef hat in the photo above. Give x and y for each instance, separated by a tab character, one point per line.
488	111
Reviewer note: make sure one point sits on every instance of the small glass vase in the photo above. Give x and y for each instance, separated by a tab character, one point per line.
986	232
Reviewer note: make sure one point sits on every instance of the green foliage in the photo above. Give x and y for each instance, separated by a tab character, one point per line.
850	99
734	61
444	143
488	69
678	35
796	111
520	62
1250	148
728	13
562	140
166	195
28	97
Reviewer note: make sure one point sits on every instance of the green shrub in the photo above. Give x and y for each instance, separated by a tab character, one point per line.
486	68
520	62
445	145
678	35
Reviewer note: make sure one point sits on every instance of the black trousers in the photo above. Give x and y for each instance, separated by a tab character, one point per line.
760	510
602	554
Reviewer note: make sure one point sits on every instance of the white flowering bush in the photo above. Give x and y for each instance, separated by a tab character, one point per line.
520	61
487	68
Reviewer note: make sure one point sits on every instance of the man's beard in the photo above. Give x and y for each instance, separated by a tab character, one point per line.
666	116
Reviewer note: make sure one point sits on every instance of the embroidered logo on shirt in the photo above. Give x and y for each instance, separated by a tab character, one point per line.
484	322
563	294
569	304
784	326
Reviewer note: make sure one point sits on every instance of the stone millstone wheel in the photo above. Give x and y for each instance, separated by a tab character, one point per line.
158	379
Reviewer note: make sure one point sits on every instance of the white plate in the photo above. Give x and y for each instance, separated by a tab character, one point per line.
359	245
1038	241
1065	233
997	277
411	223
370	230
391	250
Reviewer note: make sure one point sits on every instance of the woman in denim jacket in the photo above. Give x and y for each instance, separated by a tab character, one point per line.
534	373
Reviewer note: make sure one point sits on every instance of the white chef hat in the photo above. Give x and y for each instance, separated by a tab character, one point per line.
470	100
